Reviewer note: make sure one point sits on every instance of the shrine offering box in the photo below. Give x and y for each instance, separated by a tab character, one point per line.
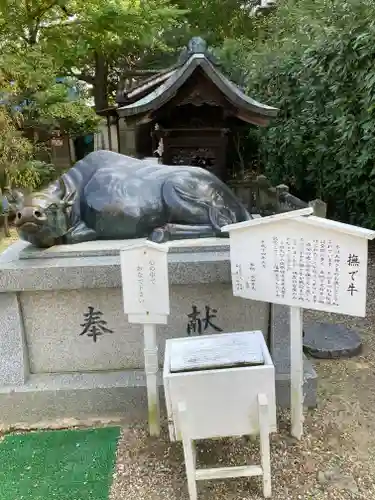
218	378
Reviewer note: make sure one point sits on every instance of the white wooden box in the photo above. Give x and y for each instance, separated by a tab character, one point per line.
221	393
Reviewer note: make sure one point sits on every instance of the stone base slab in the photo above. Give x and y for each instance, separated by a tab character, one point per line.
331	341
119	394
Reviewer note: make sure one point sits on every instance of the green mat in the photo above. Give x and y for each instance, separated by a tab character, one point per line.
61	465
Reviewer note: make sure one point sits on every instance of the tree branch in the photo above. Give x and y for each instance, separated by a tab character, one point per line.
39	13
35	18
85	77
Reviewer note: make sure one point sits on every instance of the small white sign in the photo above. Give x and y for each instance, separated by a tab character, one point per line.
144	271
300	261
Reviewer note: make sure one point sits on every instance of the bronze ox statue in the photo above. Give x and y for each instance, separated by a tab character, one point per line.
109	196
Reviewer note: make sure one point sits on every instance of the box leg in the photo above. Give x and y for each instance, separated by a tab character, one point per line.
189	452
265	443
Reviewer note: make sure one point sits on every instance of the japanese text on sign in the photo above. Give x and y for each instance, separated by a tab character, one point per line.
141	280
314	266
145	286
311	268
353	262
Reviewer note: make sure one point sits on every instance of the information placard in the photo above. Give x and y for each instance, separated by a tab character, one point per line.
299	264
144	271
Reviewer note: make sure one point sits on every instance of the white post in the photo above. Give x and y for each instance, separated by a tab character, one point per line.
296	371
145	289
151	370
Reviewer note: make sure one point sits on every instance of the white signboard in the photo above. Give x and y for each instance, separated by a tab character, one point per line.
144	271
304	262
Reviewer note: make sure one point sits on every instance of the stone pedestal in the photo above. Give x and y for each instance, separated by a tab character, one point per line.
54	364
14	367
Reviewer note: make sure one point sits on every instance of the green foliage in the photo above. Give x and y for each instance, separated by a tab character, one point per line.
315	62
28	83
106	39
17	168
14	148
34	105
217	21
94	40
100	41
31	175
233	56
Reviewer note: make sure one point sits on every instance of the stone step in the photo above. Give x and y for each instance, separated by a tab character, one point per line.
117	394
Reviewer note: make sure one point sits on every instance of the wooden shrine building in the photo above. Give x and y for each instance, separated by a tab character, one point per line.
186	114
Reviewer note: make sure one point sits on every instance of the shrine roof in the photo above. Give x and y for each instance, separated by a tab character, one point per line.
304	216
170	81
149	83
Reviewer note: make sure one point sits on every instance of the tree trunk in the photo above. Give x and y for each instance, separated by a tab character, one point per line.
4	215
101	82
6	226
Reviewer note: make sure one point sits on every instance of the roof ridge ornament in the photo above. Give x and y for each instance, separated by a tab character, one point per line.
197	45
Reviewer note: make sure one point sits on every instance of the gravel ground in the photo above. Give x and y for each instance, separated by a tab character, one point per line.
335	459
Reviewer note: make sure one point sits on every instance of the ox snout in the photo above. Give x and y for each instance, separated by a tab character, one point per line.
30	216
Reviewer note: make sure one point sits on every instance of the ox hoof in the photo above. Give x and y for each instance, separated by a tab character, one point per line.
159	235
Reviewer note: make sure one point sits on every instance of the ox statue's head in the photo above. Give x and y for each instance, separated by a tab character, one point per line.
43	218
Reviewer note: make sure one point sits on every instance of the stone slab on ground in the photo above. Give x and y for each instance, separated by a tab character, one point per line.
117	395
47	397
330	340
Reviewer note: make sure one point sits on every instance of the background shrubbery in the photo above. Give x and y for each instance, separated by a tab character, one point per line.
316	62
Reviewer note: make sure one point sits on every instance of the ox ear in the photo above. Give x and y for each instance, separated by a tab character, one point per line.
68	201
